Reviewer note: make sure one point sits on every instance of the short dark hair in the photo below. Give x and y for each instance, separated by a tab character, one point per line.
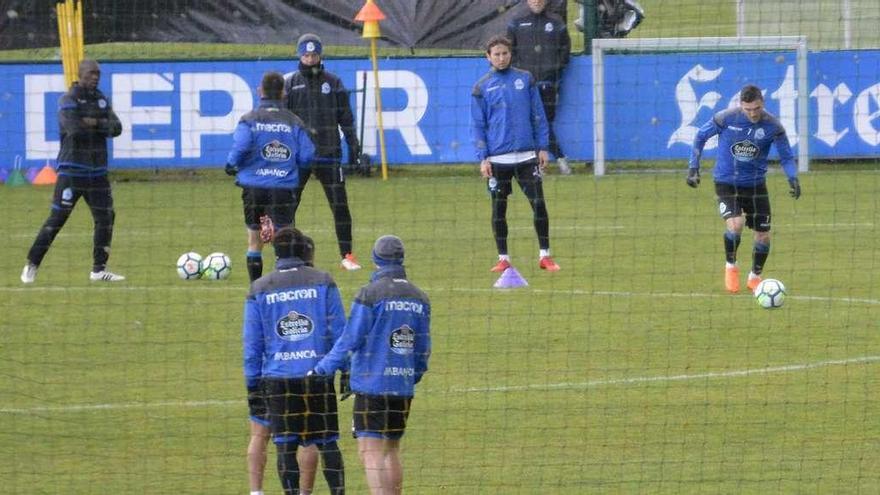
272	85
498	39
750	93
289	242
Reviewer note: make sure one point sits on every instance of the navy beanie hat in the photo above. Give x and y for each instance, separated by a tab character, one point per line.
308	43
388	250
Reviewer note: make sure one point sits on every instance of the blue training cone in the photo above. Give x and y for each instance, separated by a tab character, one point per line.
510	279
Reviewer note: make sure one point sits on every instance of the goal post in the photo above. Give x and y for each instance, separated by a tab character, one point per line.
699	44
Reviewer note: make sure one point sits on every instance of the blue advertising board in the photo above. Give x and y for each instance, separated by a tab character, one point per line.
182	114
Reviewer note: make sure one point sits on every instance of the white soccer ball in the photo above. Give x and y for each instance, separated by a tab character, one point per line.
770	293
189	266
216	266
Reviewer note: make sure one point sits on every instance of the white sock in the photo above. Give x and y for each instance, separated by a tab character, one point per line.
730	265
753	275
503	257
258	492
542	253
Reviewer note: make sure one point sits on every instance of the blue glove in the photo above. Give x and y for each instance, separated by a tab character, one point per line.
693	178
230	169
794	187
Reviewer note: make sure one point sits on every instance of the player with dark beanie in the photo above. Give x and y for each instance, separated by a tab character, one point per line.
292	318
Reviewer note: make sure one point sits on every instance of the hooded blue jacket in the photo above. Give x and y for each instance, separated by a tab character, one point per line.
269	145
292	317
507	114
387	336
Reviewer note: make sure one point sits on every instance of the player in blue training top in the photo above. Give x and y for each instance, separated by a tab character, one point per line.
270	143
744	138
388	337
511	137
292	318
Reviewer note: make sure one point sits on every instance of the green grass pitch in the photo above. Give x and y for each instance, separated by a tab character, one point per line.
630	371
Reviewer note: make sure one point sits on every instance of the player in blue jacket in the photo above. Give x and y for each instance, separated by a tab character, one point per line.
292	318
269	145
388	338
511	137
744	138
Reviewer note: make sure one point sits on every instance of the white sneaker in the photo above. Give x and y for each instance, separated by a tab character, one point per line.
28	273
350	263
105	276
562	163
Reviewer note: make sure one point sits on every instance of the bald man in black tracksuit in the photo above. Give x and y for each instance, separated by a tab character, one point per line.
87	121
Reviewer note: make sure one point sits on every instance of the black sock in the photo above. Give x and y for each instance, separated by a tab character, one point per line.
288	468
254	264
760	251
334	471
731	244
499	222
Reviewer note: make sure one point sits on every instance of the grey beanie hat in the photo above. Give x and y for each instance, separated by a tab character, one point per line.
388	249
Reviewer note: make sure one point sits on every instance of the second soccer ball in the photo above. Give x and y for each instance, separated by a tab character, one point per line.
770	293
216	266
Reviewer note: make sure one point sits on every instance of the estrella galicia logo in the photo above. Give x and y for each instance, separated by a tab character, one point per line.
276	151
403	340
744	151
519	84
294	327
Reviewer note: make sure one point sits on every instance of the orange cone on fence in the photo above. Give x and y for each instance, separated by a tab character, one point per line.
46	176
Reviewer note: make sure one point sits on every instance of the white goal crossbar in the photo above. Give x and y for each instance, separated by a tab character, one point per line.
744	43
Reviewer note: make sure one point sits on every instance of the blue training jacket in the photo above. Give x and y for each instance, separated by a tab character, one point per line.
292	317
270	143
507	114
387	336
743	147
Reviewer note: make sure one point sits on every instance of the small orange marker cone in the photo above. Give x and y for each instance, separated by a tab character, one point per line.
46	176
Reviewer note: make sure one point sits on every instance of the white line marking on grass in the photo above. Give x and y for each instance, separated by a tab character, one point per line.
196	285
581	292
574	227
120	406
829	225
674	378
513	388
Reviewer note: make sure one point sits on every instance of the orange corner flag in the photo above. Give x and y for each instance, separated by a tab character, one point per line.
370	12
45	176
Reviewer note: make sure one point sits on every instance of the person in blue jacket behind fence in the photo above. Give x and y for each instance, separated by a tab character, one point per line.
511	137
292	318
388	340
270	144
